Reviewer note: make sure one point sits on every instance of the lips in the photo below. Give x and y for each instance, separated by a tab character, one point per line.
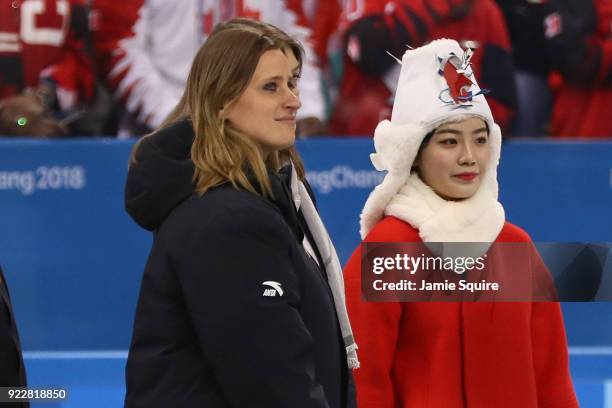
290	119
466	176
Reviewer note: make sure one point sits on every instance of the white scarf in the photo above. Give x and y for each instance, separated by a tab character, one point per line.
331	263
479	218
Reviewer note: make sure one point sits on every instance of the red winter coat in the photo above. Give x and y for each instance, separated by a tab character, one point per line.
455	355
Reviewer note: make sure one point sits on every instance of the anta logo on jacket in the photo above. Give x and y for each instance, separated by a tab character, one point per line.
274	288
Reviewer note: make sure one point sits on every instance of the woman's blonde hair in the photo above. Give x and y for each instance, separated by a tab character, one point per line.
220	73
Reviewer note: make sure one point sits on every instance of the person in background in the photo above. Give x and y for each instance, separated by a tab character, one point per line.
579	44
525	22
242	298
371	29
12	370
148	47
46	76
441	151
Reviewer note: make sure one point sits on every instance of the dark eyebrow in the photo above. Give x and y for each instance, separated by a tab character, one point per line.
450	130
274	78
458	132
280	77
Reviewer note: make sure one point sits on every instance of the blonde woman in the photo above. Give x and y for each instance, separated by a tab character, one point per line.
441	150
242	298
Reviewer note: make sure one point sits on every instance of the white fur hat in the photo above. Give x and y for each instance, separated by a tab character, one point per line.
436	85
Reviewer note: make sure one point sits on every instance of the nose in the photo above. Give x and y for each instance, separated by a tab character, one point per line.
292	99
466	157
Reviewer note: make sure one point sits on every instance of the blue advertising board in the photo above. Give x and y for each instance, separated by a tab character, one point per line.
74	259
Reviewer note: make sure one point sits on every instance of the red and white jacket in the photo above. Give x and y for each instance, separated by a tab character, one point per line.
149	46
44	38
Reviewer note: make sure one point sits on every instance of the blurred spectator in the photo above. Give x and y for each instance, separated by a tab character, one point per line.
323	17
27	115
525	21
579	39
46	80
150	46
373	27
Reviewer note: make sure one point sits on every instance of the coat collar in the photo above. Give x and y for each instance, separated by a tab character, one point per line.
282	198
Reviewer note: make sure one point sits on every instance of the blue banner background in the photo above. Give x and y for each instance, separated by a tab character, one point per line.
74	259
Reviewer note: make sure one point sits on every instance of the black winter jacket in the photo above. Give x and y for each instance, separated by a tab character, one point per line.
232	311
12	369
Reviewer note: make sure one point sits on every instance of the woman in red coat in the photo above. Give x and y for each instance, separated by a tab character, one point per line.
441	150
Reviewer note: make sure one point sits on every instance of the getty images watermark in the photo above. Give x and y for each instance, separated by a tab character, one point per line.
477	272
